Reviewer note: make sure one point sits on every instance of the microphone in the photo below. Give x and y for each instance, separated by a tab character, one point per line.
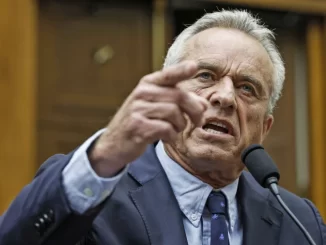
263	169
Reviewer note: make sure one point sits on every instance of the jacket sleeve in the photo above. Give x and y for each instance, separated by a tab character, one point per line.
83	188
41	214
320	221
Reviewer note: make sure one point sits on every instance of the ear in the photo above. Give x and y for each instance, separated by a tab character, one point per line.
267	125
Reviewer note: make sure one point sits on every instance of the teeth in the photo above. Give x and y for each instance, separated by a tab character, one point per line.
209	130
219	124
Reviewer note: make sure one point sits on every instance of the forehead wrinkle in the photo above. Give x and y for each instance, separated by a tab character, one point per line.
205	49
212	64
252	67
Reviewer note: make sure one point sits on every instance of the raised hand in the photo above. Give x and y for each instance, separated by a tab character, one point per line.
155	110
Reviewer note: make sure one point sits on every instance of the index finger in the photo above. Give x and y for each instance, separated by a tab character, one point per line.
172	75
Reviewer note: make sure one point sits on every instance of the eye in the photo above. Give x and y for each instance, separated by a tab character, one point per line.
248	88
205	76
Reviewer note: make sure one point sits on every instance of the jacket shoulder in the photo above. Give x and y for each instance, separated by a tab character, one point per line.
307	213
51	161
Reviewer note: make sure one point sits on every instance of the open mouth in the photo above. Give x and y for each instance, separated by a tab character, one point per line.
217	128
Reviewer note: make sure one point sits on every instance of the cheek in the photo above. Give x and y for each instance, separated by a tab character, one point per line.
251	123
255	122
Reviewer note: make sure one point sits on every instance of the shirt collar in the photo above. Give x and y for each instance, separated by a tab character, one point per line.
190	192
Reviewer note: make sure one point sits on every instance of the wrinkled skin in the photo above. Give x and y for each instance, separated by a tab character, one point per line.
234	76
226	77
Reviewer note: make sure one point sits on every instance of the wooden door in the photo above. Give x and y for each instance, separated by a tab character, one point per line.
90	58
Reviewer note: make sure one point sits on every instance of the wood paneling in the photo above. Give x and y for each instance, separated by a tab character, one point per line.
77	95
159	33
280	143
17	96
316	60
304	6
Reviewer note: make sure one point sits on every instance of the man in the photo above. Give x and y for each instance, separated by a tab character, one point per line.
167	168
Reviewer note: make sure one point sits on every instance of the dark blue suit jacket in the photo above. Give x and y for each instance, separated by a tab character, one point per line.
143	210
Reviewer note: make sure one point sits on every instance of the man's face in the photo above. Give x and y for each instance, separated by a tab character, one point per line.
235	76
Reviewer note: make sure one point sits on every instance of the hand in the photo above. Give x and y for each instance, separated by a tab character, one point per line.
154	110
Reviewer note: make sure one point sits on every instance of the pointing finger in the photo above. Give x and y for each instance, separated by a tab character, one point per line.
172	75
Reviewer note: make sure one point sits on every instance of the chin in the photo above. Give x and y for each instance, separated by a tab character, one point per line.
213	154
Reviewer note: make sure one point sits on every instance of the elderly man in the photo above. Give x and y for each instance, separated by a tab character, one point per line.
167	168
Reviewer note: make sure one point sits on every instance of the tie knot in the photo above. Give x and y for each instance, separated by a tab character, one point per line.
217	203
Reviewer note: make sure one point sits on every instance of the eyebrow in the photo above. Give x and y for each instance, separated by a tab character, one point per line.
208	66
214	67
252	80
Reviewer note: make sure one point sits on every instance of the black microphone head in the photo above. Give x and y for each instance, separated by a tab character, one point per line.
259	164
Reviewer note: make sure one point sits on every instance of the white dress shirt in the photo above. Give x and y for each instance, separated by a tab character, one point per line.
191	194
85	189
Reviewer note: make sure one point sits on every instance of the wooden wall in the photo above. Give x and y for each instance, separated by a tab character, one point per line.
303	6
315	36
20	26
17	96
78	93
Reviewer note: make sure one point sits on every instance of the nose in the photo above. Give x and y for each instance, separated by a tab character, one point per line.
223	94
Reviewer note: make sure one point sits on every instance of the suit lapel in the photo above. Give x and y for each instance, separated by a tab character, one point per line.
261	221
162	217
155	201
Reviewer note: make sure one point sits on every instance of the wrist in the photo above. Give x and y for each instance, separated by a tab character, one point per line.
104	163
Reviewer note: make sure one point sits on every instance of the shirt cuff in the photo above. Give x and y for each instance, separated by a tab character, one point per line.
83	187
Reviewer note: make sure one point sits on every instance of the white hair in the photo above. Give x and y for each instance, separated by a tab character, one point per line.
245	22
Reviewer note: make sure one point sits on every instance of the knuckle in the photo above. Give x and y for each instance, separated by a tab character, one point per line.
167	129
139	90
173	110
142	92
136	119
150	78
166	76
145	92
135	106
136	132
178	95
199	110
150	135
146	79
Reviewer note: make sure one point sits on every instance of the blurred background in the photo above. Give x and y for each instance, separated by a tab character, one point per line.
66	66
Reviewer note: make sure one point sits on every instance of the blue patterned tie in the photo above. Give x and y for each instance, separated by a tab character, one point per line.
217	205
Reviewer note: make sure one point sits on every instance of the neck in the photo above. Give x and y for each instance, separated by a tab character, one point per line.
217	176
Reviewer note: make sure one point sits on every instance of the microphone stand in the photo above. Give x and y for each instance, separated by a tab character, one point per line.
271	183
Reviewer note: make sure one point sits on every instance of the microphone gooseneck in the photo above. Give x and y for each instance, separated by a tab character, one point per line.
263	169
